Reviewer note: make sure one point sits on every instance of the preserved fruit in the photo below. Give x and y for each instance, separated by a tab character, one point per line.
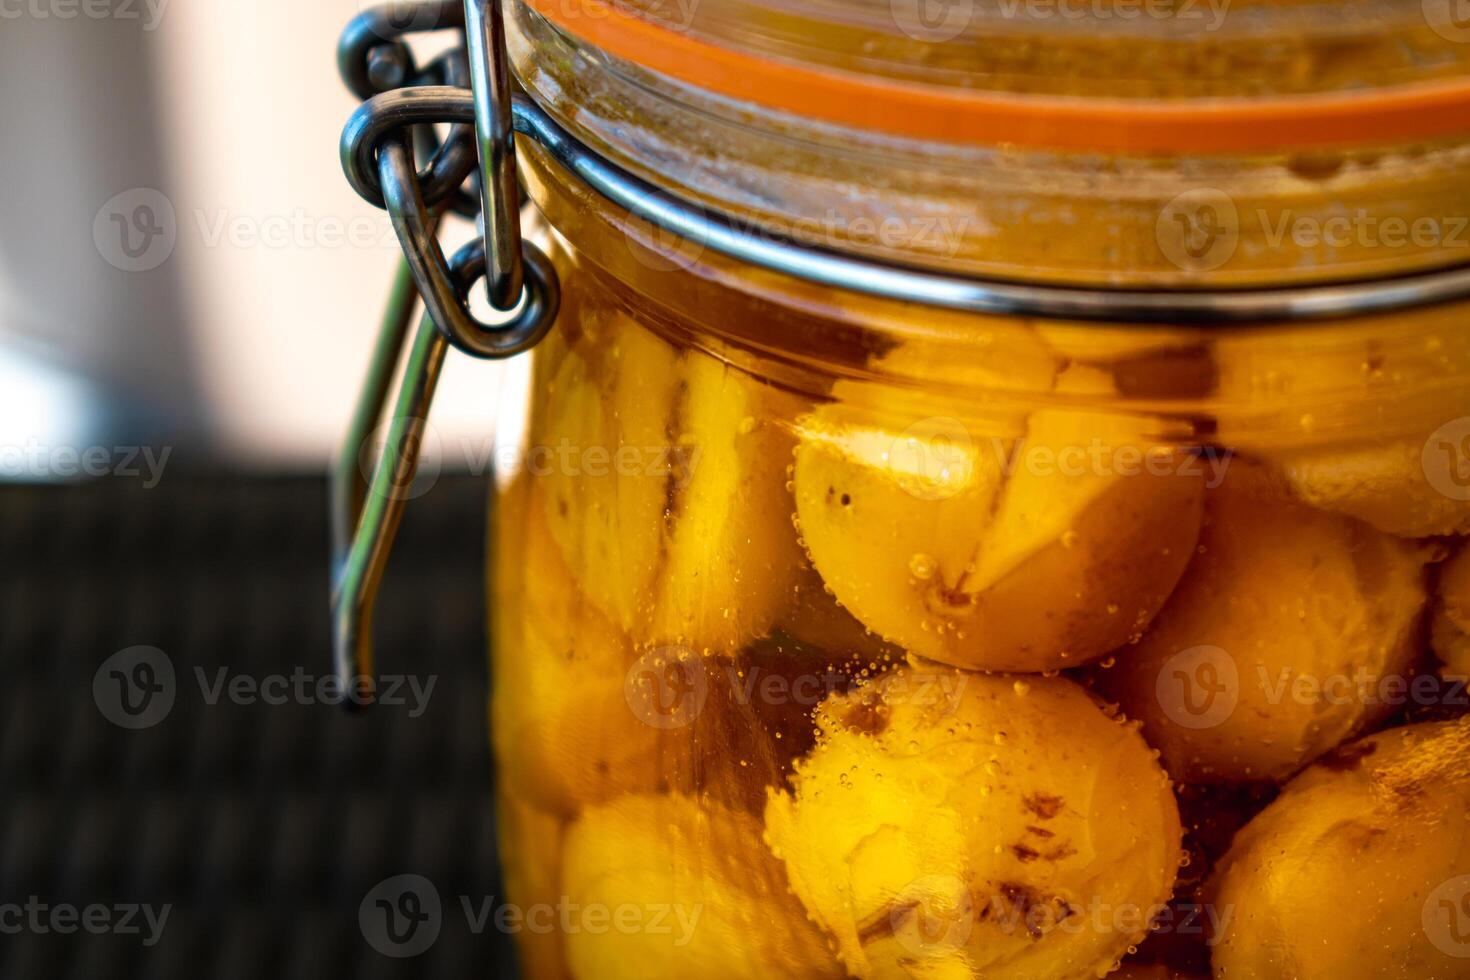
1360	869
977	825
1283	639
1035	555
694	885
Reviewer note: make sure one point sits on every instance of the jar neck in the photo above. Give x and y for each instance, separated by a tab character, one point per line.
1011	213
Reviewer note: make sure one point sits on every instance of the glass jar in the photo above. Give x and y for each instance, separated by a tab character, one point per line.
837	635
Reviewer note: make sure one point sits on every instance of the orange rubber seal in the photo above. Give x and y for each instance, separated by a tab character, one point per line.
1406	113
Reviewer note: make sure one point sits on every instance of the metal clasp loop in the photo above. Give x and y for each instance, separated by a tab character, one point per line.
442	295
379	162
490	81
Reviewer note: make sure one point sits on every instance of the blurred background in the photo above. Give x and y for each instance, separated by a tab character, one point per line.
188	295
235	326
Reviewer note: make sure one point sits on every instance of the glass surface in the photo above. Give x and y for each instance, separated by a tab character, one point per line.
837	637
1183	219
969	650
1167	49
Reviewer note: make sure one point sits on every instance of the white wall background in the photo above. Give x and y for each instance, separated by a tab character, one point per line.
249	338
251	111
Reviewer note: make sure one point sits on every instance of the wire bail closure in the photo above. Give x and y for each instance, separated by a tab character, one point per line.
378	157
499	192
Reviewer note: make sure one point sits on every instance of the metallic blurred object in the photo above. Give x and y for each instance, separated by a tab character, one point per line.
378	157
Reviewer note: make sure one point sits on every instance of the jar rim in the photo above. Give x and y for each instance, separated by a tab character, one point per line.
1424	110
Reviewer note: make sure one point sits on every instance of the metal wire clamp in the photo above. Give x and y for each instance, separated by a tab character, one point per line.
522	284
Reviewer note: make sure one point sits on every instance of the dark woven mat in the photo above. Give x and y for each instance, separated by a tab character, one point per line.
262	826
